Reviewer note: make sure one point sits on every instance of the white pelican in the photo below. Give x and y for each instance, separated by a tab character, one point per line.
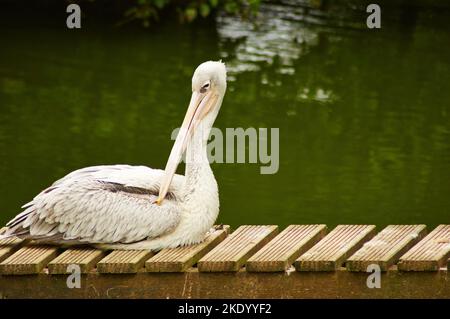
136	207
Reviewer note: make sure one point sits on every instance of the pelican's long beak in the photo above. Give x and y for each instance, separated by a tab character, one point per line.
199	106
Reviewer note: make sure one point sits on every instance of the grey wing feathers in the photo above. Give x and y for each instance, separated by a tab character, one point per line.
100	204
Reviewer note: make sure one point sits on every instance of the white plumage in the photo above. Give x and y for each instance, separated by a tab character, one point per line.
117	206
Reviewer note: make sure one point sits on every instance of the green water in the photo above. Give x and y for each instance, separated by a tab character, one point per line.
364	115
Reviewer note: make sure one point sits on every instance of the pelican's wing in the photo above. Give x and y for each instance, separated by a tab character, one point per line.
138	176
101	204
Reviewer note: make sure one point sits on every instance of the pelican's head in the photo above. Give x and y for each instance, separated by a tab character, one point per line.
209	84
210	76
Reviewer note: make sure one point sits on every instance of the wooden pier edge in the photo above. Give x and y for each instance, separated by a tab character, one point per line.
241	284
28	270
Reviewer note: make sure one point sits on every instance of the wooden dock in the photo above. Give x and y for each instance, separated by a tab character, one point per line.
257	261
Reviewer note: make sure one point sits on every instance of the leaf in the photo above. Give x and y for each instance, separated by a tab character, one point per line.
130	12
254	4
190	13
159	3
204	10
231	7
214	3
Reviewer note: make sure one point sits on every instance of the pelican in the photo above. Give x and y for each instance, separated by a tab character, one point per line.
137	207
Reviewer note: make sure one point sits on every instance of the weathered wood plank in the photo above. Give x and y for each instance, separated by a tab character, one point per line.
330	253
181	258
241	284
28	260
123	261
233	252
280	252
85	257
386	247
8	247
430	254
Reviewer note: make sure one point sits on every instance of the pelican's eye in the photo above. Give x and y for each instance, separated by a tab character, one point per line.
204	88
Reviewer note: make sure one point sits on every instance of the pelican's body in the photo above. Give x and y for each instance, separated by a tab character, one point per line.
136	207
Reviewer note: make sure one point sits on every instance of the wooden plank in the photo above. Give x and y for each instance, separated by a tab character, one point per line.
85	257
28	260
233	252
330	253
280	252
430	254
386	247
8	246
181	258
123	261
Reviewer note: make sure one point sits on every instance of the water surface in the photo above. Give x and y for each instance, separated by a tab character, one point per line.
364	116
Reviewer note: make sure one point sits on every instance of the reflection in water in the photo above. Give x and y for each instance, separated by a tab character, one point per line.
283	31
274	35
363	116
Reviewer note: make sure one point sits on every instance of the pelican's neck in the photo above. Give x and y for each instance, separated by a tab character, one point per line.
197	164
198	169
